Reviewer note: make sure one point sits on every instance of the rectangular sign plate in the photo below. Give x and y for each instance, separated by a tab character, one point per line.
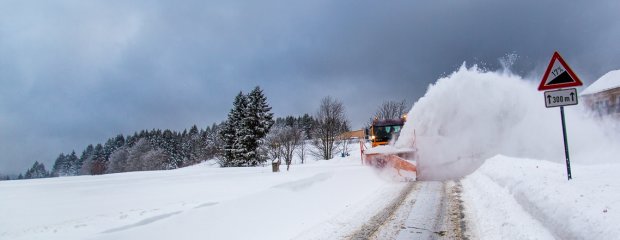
562	97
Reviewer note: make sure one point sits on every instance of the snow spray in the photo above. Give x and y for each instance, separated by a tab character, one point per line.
473	114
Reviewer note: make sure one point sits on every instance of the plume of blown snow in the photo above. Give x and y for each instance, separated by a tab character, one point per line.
472	115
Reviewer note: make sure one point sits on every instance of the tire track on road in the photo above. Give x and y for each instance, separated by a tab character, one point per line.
425	210
371	227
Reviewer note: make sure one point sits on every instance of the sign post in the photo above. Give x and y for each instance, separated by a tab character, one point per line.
565	144
557	76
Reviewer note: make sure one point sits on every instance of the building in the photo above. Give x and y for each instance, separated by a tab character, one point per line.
603	96
359	134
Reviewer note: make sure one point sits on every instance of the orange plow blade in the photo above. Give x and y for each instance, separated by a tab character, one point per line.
406	170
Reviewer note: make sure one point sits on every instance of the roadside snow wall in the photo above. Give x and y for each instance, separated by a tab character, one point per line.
472	115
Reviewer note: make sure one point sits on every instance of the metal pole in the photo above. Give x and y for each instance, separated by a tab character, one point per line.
362	145
565	144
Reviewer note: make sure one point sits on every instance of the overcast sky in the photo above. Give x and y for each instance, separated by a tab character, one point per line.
77	72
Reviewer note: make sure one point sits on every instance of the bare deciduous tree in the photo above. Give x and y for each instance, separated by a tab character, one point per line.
301	150
291	136
283	141
143	157
118	161
330	122
273	147
390	110
344	146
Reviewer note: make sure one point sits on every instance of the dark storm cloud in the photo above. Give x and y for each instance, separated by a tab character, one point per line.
75	72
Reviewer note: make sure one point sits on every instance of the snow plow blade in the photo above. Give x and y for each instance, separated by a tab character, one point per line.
395	160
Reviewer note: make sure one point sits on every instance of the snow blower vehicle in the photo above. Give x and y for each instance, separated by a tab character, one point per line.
383	155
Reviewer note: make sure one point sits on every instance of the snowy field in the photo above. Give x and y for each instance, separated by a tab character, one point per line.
319	200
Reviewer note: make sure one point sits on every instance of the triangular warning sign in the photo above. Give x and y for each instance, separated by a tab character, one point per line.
558	75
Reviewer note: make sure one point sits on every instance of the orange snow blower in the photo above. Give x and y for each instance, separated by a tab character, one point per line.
382	155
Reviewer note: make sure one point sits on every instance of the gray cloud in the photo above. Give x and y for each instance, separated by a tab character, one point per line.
75	72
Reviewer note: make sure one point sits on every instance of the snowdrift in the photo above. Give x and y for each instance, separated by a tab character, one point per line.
511	198
472	115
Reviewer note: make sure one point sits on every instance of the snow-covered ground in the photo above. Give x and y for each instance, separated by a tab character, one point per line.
318	200
506	198
516	198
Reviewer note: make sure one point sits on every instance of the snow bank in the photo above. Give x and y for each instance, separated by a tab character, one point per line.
472	115
509	198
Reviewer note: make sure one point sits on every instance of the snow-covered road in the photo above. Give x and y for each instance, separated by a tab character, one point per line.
430	211
425	217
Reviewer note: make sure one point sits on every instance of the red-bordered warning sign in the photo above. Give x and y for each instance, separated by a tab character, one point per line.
558	75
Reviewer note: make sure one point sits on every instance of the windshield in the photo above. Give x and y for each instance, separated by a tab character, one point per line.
385	133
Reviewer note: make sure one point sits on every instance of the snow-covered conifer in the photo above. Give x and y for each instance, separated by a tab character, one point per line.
234	134
98	162
59	166
36	171
72	162
258	121
85	162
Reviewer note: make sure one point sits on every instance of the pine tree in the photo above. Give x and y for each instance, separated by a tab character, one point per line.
213	141
71	167
231	134
186	147
59	166
194	146
259	121
36	171
227	134
131	140
172	148
244	137
85	162
99	162
112	144
306	124
248	123
237	122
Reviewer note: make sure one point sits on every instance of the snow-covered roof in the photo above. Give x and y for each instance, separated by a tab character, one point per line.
608	81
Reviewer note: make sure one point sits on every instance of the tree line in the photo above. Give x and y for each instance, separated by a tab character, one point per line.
142	151
249	137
